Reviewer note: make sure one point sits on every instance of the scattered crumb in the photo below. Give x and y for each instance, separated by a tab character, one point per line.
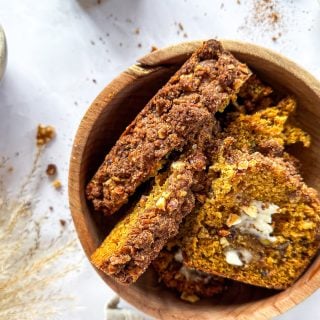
266	16
92	42
238	2
75	103
222	5
120	44
98	1
94	81
265	11
274	17
57	184
107	34
192	298
137	31
153	48
51	208
51	170
139	45
10	169
62	222
180	26
44	134
185	35
276	37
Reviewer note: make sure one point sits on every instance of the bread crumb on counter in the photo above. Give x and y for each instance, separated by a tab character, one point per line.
44	134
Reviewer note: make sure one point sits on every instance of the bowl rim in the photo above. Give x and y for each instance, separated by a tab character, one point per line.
145	65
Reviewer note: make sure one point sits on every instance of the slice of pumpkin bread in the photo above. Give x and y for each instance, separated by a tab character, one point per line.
260	223
208	80
138	238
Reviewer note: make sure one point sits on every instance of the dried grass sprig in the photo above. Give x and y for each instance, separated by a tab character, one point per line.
32	270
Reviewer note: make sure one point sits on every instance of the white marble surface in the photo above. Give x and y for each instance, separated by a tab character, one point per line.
62	53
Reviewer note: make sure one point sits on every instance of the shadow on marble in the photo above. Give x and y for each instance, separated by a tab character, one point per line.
116	11
87	4
126	5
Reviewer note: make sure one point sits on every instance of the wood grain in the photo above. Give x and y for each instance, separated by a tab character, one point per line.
115	108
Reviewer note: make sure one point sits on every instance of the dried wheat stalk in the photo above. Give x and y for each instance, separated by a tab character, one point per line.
30	270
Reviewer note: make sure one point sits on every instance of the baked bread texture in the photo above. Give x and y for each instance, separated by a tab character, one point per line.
207	81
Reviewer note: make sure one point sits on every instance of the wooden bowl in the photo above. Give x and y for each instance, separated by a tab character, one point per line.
117	105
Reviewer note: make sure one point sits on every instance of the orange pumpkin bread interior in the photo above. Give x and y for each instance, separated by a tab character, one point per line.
260	222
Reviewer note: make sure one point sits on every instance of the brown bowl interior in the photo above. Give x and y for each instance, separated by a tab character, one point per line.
117	106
